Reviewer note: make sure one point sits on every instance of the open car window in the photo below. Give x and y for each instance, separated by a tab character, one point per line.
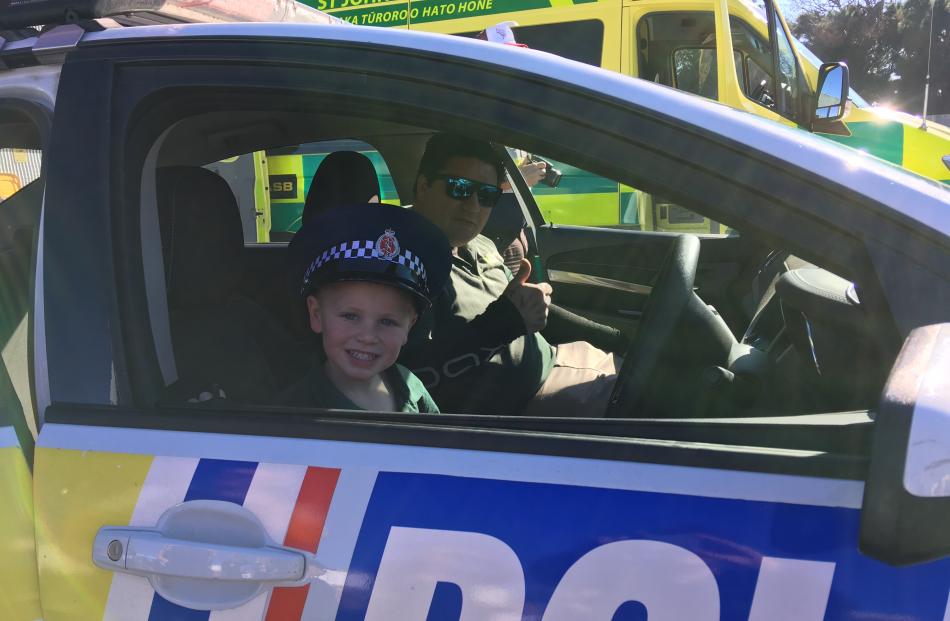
738	354
272	186
679	49
214	323
568	194
21	195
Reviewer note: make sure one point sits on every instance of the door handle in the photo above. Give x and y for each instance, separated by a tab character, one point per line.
205	555
148	552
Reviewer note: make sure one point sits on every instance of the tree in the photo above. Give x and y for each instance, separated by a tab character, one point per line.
885	46
913	38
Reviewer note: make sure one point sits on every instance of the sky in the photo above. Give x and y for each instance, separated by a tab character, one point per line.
789	9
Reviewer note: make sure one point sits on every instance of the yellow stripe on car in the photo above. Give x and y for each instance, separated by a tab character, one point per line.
78	492
19	596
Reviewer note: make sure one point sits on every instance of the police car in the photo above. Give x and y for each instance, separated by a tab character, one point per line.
787	457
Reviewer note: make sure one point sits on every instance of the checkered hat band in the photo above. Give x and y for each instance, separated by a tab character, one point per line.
365	250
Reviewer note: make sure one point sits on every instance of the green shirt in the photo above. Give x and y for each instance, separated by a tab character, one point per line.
473	353
315	390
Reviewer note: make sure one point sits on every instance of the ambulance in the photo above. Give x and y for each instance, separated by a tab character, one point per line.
750	62
778	444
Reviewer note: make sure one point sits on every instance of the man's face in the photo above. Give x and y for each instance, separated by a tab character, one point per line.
460	220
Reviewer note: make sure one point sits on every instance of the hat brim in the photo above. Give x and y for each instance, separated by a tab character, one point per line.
370	270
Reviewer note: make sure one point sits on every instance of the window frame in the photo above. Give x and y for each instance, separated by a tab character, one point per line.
771	42
28	420
794	110
137	119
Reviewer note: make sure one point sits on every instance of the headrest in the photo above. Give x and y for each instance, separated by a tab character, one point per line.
343	178
202	239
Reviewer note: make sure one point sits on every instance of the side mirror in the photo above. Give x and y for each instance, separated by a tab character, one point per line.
832	93
907	493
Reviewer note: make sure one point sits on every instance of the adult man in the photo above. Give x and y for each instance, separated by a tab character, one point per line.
480	349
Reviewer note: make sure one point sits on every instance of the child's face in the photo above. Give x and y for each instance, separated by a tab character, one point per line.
364	325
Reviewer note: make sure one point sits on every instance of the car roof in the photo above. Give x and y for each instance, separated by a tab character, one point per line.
921	199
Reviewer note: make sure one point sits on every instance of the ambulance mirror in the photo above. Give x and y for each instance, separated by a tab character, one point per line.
832	93
907	493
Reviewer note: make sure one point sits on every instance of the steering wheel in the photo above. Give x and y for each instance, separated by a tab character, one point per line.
672	290
762	95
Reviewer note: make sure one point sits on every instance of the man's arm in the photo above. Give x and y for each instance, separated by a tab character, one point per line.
521	309
566	327
557	324
481	337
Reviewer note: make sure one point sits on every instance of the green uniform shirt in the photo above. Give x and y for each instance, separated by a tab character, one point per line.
477	357
315	390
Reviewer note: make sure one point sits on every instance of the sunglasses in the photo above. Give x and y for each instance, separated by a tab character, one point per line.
462	188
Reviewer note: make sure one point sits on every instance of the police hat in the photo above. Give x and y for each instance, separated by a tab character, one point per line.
375	242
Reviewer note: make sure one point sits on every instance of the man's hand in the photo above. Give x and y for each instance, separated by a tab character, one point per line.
531	300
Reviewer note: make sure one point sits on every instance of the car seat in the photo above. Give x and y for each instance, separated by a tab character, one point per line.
343	177
225	345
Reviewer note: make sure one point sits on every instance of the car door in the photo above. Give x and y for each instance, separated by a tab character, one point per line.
21	599
153	507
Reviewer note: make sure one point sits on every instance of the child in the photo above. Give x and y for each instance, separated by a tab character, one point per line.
368	271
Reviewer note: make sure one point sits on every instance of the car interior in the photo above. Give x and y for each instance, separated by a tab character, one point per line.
723	326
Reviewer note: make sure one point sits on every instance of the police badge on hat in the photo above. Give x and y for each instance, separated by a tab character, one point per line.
409	252
387	245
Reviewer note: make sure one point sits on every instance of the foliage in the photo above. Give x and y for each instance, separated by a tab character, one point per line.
885	46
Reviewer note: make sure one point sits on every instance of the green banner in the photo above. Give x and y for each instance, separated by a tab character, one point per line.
389	13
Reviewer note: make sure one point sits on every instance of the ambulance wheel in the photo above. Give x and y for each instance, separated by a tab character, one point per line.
671	292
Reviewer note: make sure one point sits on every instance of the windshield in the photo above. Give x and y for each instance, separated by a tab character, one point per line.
816	62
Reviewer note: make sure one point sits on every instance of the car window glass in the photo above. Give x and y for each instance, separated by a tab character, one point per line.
694	71
18	168
677	43
755	67
581	40
20	202
571	195
271	186
679	50
759	85
788	75
755	76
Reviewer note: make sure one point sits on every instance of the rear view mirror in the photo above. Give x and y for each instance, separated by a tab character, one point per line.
832	93
907	494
